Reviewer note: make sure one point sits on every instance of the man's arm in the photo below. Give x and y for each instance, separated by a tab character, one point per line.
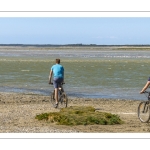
145	87
63	76
50	77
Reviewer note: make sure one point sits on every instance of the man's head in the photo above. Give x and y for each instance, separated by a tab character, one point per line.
57	61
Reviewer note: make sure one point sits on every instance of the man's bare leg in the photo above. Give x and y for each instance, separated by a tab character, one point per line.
56	95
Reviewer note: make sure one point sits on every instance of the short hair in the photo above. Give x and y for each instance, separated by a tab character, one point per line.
58	61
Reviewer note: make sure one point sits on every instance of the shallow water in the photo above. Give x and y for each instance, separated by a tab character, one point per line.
89	73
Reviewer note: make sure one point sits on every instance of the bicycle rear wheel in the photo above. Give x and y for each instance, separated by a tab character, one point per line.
63	100
52	99
144	112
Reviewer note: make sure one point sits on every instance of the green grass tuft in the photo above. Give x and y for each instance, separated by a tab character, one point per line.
80	116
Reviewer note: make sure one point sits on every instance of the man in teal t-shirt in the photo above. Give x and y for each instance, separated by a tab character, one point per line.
57	71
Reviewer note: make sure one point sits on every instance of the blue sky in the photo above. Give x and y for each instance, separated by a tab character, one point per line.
74	30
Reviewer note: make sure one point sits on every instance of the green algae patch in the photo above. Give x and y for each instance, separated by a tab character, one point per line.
80	116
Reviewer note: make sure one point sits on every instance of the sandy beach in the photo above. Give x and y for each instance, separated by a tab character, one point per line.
18	111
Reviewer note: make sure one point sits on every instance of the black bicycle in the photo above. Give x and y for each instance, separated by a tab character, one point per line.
144	109
62	98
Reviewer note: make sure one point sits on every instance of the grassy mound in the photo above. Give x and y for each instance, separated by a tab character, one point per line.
80	116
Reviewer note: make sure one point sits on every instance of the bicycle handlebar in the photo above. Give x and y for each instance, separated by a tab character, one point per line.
146	92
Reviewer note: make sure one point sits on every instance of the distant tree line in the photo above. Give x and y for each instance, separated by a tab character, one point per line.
59	45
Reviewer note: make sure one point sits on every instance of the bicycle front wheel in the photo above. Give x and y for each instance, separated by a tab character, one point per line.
63	100
144	112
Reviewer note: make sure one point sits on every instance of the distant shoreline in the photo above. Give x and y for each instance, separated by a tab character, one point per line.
73	46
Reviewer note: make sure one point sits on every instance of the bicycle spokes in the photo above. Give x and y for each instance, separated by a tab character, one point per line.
145	108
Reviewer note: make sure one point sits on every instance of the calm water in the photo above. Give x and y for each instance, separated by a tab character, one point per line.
88	72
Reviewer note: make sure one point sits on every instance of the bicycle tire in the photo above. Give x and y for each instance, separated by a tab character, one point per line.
144	112
63	100
52	99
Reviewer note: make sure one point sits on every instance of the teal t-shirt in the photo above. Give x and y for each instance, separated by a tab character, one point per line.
58	71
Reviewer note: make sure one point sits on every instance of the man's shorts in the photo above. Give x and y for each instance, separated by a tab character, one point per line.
57	82
149	79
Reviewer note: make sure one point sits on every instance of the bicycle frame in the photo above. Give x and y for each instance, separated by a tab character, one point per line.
148	96
60	89
62	98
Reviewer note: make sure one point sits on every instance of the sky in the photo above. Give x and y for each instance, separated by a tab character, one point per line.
75	30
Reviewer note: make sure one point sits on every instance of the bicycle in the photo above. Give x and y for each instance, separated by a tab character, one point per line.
144	109
62	98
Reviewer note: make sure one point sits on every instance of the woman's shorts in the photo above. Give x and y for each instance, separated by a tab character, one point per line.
57	82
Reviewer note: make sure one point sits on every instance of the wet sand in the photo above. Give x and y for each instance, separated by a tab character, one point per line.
18	111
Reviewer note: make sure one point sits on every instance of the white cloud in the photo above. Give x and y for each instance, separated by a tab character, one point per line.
113	37
98	37
110	37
